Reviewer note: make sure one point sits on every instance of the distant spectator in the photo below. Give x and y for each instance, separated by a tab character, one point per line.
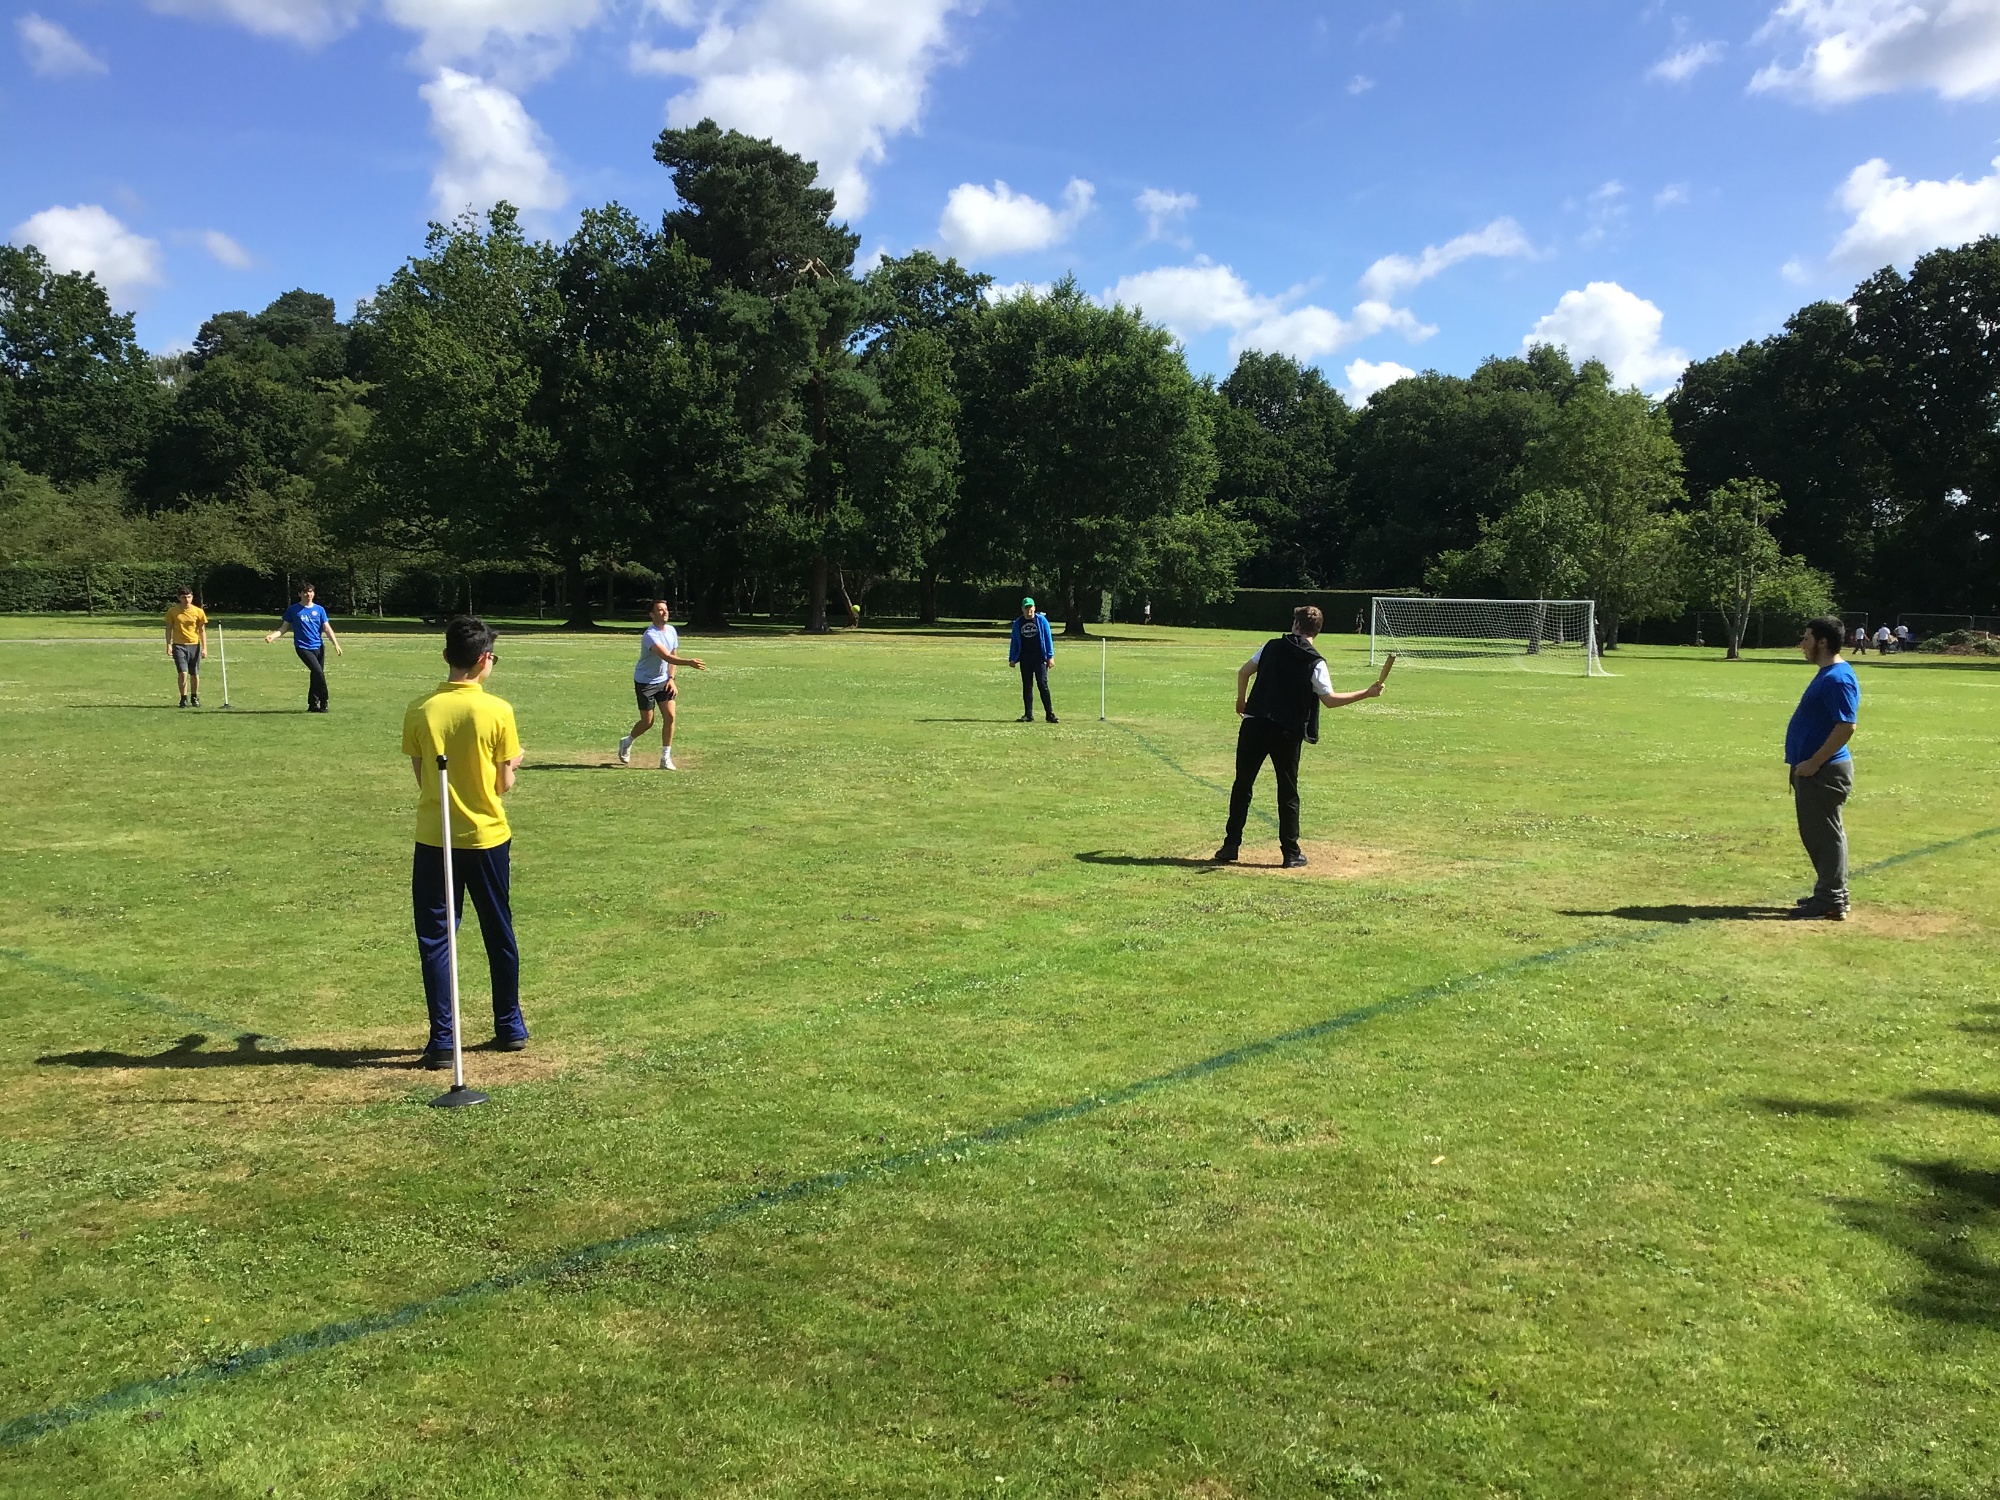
1147	617
1902	637
1861	640
1885	638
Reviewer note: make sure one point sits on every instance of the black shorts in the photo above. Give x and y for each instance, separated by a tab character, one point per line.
649	693
188	659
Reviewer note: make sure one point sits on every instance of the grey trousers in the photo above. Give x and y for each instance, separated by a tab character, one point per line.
1817	801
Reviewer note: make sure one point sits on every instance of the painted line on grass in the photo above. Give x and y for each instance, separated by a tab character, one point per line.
1180	770
151	1002
26	1428
1938	848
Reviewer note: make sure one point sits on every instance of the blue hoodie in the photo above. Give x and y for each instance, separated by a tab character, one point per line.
1041	633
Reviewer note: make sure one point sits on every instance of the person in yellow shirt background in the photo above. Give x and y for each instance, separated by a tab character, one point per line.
187	644
475	732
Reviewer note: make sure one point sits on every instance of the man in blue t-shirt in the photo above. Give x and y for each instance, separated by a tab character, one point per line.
1032	648
308	624
1822	772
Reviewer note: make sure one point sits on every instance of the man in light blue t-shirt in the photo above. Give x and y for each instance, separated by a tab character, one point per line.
1821	770
653	684
310	629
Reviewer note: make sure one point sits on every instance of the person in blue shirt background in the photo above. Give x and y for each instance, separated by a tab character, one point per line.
1822	771
1033	650
308	624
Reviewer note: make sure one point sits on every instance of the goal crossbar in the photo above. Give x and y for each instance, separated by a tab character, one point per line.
1549	635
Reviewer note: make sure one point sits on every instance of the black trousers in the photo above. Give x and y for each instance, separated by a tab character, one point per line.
488	875
1256	741
315	661
1033	674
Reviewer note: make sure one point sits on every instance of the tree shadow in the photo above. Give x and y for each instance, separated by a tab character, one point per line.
217	708
1147	861
1685	914
1821	1109
1014	719
187	1054
1979	1104
1960	1286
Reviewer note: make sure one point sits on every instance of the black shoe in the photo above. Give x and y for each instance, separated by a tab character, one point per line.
1818	911
1226	855
1025	719
184	701
195	701
435	1061
1295	861
510	1044
1052	718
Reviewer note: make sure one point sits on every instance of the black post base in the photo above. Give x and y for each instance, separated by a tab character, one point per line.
454	1098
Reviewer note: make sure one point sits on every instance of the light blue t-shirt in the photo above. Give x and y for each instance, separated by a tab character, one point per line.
305	620
1832	697
651	668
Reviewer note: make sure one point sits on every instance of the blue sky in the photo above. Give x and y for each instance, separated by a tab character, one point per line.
1373	187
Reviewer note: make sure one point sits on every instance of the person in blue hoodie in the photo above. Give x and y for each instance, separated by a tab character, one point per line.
1033	649
1821	769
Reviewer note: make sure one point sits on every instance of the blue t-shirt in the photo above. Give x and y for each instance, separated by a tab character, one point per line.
305	620
1832	697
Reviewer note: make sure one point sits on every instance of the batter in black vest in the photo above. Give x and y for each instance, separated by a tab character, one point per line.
1279	715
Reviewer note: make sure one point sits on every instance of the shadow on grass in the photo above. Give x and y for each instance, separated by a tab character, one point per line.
187	1053
1820	1109
1015	719
233	713
1146	861
1686	914
577	765
1979	1104
1960	1286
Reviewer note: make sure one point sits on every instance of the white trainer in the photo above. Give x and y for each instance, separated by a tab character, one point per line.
667	761
625	751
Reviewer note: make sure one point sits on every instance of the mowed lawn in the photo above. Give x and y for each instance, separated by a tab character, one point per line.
911	1113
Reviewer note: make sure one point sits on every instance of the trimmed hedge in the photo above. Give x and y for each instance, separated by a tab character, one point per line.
39	587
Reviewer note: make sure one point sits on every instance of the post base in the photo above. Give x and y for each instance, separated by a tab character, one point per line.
455	1098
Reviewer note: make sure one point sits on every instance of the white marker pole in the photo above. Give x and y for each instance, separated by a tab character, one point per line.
222	649
458	1093
1103	667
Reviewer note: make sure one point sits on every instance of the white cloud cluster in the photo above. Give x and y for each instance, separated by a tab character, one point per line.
1896	220
514	40
1393	274
1196	299
1608	323
1164	210
226	250
52	52
829	79
1365	378
492	149
979	221
89	237
1683	63
1855	48
309	22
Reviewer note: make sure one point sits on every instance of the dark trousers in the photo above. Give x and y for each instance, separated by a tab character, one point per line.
315	661
1257	740
1035	674
1817	800
487	874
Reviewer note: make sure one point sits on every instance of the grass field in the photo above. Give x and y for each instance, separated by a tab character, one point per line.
911	1113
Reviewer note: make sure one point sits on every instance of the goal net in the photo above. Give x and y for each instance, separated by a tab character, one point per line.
1546	635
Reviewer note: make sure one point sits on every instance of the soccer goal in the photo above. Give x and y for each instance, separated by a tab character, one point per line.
1547	635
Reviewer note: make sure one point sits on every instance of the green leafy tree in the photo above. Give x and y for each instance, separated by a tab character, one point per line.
1084	433
1736	564
78	396
1279	434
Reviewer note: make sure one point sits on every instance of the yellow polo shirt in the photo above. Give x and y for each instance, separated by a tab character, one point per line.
476	732
184	624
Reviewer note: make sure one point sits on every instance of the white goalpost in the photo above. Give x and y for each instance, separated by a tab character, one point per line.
1544	635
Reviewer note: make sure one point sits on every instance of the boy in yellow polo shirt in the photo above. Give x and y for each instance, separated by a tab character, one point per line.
475	732
187	644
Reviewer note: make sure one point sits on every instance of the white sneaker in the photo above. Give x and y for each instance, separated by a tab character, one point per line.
667	761
625	751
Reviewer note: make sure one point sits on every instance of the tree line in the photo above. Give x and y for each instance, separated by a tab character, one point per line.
725	400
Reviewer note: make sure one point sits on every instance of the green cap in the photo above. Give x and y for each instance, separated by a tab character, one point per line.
1027	604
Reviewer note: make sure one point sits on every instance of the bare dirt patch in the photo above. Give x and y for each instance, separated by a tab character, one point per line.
1324	861
1877	922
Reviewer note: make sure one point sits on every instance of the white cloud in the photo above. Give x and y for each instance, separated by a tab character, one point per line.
979	221
1398	273
52	52
1855	48
226	250
89	237
517	40
1896	220
1683	63
1310	332
492	148
1606	322
1164	210
1193	299
307	21
1796	271
1359	84
1673	195
832	80
1007	291
1365	378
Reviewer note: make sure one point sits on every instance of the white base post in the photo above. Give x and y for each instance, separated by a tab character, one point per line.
459	1094
1103	667
222	650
